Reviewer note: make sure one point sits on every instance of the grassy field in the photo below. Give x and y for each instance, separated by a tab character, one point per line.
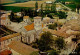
14	8
28	4
72	6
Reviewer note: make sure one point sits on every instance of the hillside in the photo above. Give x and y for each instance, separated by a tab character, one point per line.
11	1
28	4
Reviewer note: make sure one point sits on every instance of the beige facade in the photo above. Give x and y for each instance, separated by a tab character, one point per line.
4	41
37	23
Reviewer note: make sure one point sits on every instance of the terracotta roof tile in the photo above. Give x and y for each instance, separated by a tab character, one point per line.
5	52
29	27
3	18
26	17
37	17
9	36
57	33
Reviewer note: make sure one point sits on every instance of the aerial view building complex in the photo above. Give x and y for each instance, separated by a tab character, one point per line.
40	27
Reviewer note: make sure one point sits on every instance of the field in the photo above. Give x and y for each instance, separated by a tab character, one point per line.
6	1
28	4
72	6
13	8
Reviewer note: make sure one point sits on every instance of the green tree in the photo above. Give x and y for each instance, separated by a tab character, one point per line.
53	7
45	42
42	10
36	5
15	18
52	26
78	50
62	15
35	53
60	43
53	52
41	6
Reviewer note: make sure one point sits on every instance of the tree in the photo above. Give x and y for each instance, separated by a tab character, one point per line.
35	53
42	10
11	16
45	42
41	6
53	7
61	15
78	50
60	43
52	26
36	6
15	18
53	52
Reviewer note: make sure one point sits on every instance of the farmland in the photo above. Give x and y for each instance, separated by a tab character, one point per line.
13	8
5	1
28	4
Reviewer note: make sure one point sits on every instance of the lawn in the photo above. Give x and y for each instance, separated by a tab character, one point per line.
14	8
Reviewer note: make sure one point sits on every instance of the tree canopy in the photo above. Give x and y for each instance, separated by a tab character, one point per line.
45	42
52	26
60	43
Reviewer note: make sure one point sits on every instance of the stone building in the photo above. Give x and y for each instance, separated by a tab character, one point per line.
31	32
4	41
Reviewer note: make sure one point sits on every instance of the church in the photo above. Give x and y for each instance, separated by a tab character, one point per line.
29	30
32	31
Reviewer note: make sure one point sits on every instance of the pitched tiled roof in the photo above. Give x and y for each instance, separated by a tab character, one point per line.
3	18
9	36
37	17
5	52
29	27
21	48
26	17
57	33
